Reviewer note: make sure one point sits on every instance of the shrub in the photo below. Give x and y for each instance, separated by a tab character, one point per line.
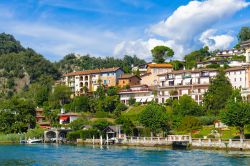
35	133
197	136
120	107
207	120
190	123
210	136
72	136
102	114
87	134
77	124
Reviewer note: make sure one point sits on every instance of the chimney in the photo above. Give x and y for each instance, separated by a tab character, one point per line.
62	111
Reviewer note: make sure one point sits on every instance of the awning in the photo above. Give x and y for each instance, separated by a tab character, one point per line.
137	100
149	99
63	118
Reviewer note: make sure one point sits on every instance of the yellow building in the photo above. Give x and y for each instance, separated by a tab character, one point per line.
81	82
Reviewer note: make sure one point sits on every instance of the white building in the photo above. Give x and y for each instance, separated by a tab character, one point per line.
195	82
141	94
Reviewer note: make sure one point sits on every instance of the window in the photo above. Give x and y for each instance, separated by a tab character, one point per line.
234	79
240	79
105	82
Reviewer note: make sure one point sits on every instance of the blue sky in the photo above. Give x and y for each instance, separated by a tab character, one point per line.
55	28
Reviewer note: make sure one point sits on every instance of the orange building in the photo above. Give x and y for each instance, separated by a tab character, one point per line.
153	69
128	79
40	119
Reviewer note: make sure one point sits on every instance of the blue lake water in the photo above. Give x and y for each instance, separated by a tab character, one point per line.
115	156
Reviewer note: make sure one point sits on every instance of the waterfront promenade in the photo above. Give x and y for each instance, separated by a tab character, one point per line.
185	140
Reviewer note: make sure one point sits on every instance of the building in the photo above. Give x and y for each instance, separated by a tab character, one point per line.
231	52
190	82
128	79
195	82
141	94
40	119
141	68
66	118
246	46
81	82
151	77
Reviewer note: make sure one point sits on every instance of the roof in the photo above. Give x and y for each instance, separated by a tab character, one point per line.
234	69
245	43
187	71
160	65
127	76
114	129
86	72
70	114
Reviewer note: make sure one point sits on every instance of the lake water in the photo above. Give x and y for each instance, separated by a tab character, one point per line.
115	156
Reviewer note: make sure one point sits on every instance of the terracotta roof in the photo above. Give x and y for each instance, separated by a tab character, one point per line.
86	72
127	76
160	65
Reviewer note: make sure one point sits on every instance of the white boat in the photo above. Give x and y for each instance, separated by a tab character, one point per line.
34	141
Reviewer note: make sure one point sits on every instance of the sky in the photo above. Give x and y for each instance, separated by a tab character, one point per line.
103	28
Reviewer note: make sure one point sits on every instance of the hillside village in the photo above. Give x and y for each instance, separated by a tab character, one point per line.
160	82
190	96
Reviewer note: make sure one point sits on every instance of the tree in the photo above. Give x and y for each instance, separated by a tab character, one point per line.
127	124
16	115
120	107
154	117
160	53
237	113
80	104
78	124
244	34
218	92
131	101
60	95
101	125
196	56
177	65
186	106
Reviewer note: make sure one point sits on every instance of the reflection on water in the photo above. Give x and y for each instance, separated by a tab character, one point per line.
94	155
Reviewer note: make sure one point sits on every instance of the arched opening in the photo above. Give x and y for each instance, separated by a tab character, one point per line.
81	78
50	134
81	84
86	78
86	84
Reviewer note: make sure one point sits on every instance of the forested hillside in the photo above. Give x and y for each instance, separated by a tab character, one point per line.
73	62
19	66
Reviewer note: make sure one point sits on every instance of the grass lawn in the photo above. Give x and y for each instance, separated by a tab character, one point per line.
133	112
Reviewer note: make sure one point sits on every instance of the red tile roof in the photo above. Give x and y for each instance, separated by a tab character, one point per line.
162	65
94	71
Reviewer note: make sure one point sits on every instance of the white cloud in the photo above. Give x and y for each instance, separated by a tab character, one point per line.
213	41
187	28
142	48
197	16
